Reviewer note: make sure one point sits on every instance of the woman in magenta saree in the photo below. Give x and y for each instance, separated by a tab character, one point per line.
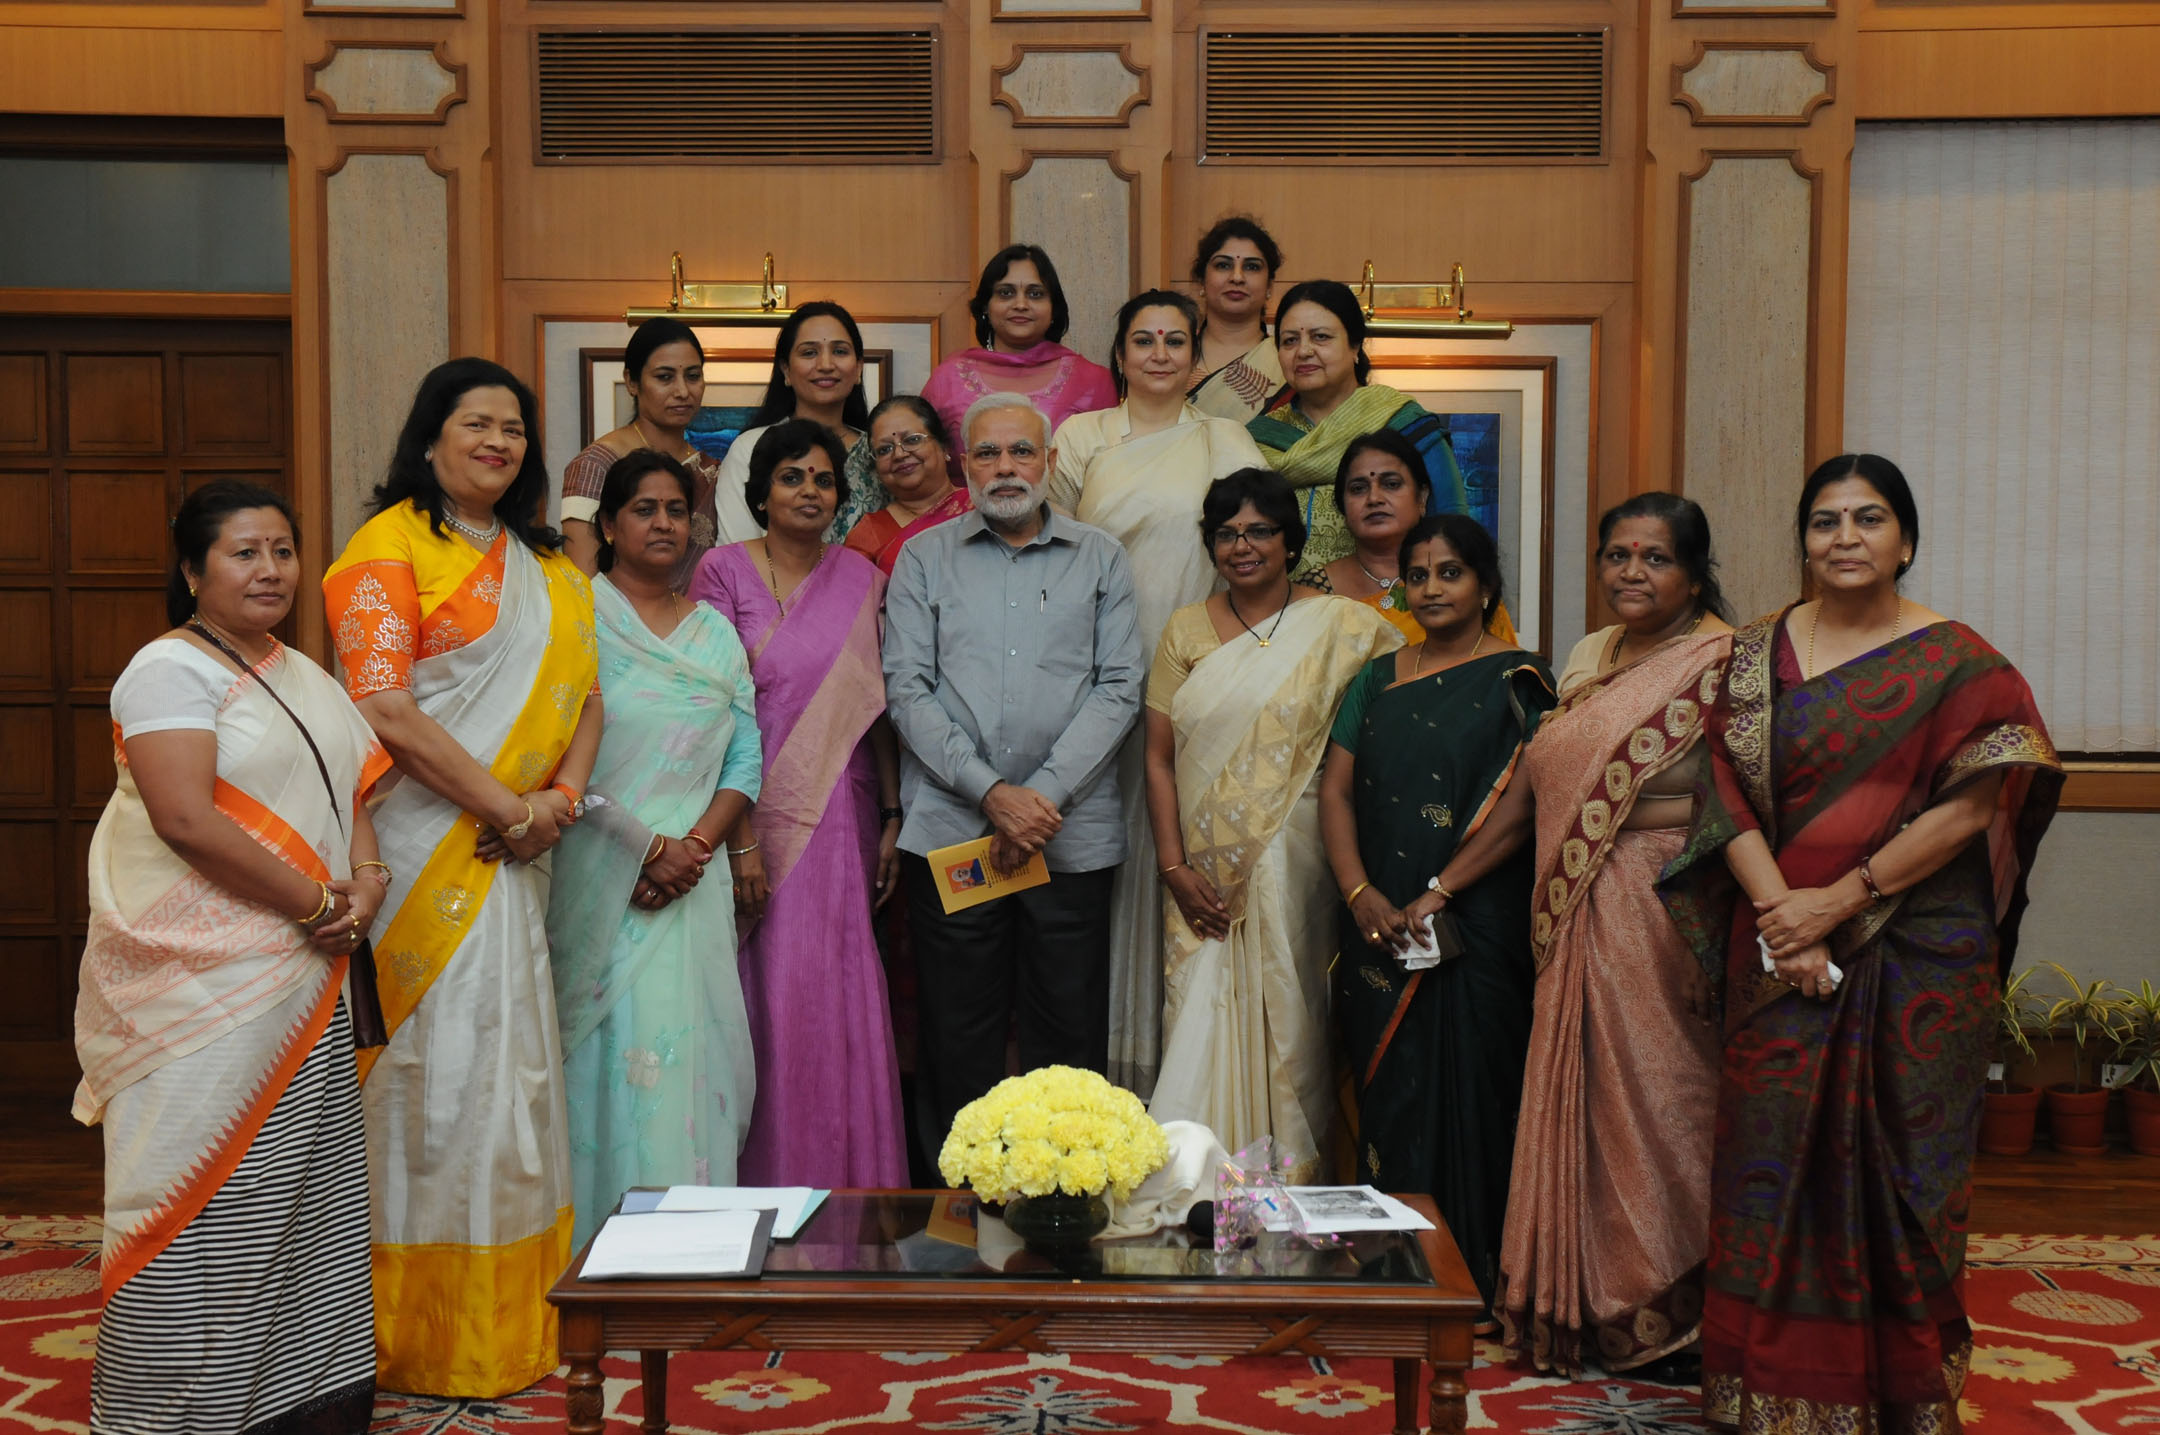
828	1106
1880	802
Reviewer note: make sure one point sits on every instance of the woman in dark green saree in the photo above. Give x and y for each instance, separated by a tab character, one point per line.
1426	741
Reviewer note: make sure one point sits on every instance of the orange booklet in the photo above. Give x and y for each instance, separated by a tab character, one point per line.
966	879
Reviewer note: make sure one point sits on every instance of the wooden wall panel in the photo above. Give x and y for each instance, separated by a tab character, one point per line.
2081	71
115	403
22	403
82	585
127	71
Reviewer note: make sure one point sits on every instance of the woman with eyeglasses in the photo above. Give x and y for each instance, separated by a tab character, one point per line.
1139	472
816	375
1433	986
913	454
1244	688
1020	315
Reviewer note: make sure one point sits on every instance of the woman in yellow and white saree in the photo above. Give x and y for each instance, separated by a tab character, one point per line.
231	878
1239	704
467	641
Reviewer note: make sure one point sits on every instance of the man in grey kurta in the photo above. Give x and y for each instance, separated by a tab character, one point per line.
1013	671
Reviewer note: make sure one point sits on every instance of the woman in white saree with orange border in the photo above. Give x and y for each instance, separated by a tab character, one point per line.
216	1051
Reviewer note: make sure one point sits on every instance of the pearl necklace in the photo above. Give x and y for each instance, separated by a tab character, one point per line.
483	539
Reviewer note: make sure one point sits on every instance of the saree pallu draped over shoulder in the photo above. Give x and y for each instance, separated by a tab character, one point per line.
1438	1054
196	1004
1245	1029
656	1044
1845	1127
217	1056
1607	1206
828	1081
465	1104
1307	454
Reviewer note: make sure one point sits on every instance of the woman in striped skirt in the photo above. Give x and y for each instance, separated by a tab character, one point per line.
231	877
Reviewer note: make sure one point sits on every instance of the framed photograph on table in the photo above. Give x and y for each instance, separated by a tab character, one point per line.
734	387
1499	415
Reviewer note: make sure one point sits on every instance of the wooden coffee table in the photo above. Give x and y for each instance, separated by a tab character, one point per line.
916	1271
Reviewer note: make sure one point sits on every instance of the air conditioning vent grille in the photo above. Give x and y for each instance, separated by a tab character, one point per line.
721	96
1521	96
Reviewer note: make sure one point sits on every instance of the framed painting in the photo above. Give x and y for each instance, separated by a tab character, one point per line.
1499	413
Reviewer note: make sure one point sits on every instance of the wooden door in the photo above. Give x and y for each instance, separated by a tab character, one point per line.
104	426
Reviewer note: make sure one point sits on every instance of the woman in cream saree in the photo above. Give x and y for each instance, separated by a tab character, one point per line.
1139	472
469	655
1245	980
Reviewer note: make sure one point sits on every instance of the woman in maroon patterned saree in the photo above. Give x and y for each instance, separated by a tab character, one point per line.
1879	780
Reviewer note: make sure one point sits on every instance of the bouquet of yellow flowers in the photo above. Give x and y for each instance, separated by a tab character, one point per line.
1057	1128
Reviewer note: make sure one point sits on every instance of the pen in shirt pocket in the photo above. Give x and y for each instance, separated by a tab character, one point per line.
1044	605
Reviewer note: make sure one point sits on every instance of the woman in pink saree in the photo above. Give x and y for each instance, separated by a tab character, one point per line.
1602	1253
821	848
1020	315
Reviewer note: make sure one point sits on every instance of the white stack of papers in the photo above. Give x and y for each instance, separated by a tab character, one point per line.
1340	1210
791	1205
689	1244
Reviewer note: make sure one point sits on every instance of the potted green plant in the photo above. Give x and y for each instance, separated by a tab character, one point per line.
2008	1111
2089	1014
2137	1058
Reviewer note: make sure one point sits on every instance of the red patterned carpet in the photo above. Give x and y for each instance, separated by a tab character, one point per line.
2068	1340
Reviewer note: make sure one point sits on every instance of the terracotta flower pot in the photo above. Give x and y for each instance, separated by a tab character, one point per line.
2007	1118
2144	1110
2076	1118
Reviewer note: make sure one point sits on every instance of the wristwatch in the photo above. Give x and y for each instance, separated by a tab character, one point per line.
889	814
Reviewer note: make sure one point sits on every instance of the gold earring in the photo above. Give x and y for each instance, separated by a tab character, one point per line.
191	590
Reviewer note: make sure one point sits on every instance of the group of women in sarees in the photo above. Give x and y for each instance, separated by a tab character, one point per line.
1615	966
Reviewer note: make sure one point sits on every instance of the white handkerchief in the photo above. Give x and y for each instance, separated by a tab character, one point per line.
1424	947
1762	944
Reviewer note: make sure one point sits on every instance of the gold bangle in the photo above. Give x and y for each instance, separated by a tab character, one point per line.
658	844
1353	893
514	833
328	901
693	835
1166	871
1445	894
387	876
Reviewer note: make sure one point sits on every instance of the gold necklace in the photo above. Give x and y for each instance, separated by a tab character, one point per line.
773	576
637	426
1897	630
1417	660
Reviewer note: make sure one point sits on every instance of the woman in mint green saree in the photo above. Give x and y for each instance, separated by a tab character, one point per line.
656	1042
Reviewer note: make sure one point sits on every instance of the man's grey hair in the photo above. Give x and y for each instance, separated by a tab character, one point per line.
990	403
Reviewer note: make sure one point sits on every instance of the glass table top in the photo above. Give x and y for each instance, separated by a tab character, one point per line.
946	1235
